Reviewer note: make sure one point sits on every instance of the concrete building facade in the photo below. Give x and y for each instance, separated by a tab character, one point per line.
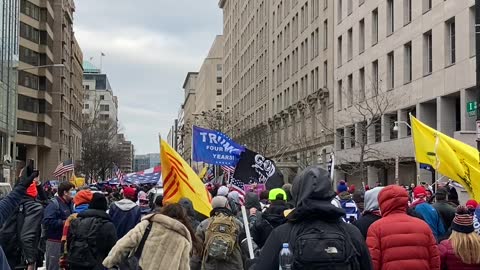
188	110
9	55
99	100
127	152
415	57
143	162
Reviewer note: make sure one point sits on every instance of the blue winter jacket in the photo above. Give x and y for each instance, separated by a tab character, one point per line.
54	217
432	218
7	207
125	216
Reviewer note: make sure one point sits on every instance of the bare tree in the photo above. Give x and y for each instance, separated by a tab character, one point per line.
100	146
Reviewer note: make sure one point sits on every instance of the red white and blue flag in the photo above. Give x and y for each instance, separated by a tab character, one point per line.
63	168
148	176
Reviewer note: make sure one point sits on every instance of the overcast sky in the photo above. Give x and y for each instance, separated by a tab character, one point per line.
150	45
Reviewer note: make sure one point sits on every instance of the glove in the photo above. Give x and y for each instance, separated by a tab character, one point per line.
27	181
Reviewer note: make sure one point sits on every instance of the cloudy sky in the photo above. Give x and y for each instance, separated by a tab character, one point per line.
150	45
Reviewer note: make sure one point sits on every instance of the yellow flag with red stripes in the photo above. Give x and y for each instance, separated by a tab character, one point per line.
180	181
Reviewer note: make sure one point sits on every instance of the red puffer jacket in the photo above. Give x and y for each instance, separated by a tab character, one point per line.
450	261
399	241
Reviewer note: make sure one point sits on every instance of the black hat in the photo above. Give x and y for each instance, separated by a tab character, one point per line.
98	202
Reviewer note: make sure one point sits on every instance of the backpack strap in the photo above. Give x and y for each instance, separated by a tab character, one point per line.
139	250
354	256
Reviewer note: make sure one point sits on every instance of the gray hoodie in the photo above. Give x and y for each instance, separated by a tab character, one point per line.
371	199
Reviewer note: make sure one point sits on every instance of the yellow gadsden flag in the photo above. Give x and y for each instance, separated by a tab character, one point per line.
77	181
180	181
450	157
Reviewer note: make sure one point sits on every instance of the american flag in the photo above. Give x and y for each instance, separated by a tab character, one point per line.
119	174
148	176
63	168
210	174
228	172
237	186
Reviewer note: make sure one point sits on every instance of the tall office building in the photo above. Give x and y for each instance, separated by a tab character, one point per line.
186	117
8	84
416	57
127	152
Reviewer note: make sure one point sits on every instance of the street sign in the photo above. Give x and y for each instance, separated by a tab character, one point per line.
472	108
478	130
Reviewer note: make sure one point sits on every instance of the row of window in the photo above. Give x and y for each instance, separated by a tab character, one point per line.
31	128
33	105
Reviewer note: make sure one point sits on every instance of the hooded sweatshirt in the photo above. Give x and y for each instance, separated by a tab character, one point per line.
125	215
372	211
312	192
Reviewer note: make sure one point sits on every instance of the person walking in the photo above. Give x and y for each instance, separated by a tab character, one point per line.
422	209
91	236
315	231
397	240
125	214
461	250
444	209
55	215
168	244
371	213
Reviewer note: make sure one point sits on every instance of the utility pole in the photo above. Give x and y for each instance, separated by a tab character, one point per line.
477	50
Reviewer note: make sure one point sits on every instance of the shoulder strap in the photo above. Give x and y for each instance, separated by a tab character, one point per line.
139	250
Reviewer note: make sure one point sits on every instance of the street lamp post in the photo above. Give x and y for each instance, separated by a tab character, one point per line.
14	151
397	158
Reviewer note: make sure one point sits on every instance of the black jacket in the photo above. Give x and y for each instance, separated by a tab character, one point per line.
364	222
107	236
446	212
312	191
267	221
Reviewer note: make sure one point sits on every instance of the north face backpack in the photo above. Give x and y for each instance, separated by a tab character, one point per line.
82	249
220	238
10	235
351	209
324	246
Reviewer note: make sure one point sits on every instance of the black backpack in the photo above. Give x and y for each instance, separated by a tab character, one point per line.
9	236
322	245
82	248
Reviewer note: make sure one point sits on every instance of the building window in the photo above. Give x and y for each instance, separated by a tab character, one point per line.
350	90
219	92
87	87
407	11
341	138
30	9
361	36
339	95
325	74
102	97
349	7
427	5
339	51
219	106
87	106
219	79
361	82
219	67
339	11
390	17
450	41
427	53
325	4
350	44
375	84
377	123
104	107
375	27
351	129
408	62
390	71
325	34
472	31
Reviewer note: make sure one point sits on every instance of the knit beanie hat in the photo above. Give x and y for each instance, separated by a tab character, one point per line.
32	190
83	197
222	191
342	187
219	201
463	221
419	192
98	202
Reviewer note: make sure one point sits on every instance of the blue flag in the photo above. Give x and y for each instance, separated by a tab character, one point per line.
215	148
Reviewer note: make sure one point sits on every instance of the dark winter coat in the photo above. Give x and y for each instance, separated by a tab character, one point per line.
106	235
364	222
450	261
125	216
399	241
267	221
446	212
54	217
312	191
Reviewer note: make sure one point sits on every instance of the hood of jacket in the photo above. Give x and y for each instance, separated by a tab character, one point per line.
371	199
393	199
345	196
252	201
125	204
169	224
312	192
94	213
188	206
80	208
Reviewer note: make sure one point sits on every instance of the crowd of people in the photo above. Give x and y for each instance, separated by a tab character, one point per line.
324	227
